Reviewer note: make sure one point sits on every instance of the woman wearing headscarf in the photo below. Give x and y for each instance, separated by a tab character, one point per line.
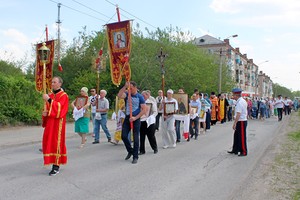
81	114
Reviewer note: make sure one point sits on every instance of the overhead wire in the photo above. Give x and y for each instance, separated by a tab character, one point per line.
109	18
42	34
131	14
91	9
77	10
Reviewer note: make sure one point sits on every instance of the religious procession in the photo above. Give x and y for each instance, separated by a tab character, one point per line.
178	116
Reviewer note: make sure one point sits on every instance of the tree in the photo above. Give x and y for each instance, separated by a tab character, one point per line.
281	90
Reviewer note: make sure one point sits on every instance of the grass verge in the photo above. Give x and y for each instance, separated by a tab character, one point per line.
286	168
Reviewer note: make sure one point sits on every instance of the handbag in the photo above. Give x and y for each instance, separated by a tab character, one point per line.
186	135
117	135
202	112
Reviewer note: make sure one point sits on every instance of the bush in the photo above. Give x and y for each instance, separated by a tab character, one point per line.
20	102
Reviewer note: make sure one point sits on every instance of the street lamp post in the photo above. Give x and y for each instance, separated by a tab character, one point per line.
263	62
220	66
44	53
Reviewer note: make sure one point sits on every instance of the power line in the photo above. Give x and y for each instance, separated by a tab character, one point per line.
132	15
91	9
138	18
78	11
109	18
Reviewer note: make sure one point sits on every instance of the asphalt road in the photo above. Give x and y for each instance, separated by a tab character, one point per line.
199	169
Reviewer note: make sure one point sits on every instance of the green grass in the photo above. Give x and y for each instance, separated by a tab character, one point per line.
287	160
295	136
297	195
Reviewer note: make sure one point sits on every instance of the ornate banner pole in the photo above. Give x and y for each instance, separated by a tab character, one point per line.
44	53
127	78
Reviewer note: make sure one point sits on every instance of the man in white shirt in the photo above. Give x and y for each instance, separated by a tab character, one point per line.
92	99
279	104
287	110
102	106
148	124
160	112
168	133
239	124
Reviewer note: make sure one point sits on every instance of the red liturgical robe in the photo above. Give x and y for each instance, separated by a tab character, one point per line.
54	138
214	102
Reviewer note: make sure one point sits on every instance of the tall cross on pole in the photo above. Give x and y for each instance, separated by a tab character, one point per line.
162	57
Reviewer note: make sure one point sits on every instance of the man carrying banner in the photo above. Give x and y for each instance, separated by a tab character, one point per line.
138	109
54	121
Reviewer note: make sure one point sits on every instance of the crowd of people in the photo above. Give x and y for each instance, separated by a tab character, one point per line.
262	108
140	115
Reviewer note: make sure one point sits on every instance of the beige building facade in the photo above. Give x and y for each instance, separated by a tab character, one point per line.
244	72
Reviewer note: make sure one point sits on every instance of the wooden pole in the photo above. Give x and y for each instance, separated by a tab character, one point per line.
118	13
162	57
46	29
44	85
129	92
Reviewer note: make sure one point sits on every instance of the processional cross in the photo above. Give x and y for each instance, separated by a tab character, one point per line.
162	57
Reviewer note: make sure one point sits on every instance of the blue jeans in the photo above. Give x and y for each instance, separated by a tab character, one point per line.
102	122
177	129
93	119
136	133
229	113
267	113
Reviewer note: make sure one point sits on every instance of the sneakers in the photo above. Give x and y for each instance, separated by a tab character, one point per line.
109	140
174	145
53	172
165	147
96	142
134	161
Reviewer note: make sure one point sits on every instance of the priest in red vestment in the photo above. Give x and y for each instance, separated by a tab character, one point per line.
54	123
214	108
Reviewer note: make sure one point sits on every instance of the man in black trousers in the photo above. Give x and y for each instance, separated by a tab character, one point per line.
239	125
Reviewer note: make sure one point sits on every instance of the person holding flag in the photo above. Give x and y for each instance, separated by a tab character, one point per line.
132	120
54	123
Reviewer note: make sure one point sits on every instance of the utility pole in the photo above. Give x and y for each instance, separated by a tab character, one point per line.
58	37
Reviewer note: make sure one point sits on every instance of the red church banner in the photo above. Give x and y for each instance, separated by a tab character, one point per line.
119	44
39	67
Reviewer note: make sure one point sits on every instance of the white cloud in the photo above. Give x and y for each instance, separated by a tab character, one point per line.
294	57
15	36
14	45
235	6
204	32
260	13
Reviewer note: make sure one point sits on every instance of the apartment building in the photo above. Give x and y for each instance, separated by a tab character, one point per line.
243	70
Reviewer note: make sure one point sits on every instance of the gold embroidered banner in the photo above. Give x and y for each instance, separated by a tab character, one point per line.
39	67
119	44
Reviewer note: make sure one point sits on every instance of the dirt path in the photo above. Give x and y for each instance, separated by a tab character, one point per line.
277	177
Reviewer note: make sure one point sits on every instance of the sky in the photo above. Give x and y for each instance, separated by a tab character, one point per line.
268	30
